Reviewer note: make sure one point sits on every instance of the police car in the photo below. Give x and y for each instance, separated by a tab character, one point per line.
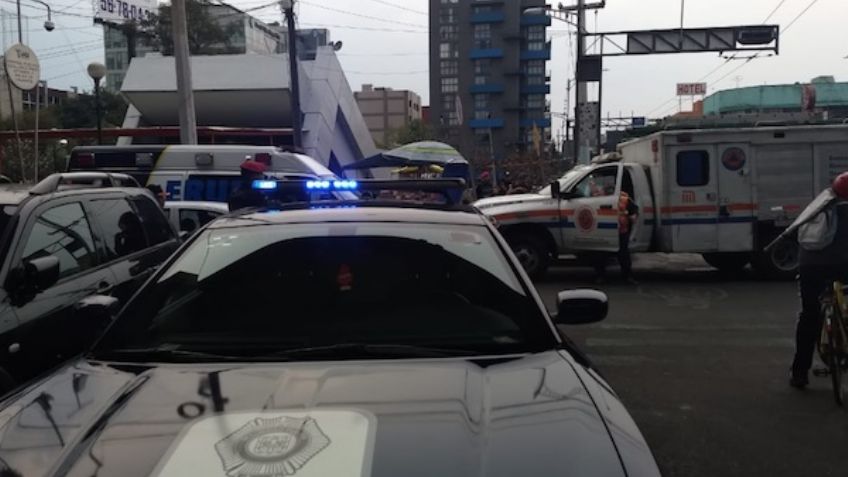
355	338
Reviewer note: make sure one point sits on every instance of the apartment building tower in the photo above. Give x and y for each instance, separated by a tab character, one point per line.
488	75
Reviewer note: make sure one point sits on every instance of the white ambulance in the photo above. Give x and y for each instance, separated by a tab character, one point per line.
196	172
723	193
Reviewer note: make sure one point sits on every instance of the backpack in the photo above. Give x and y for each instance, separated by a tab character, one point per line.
818	233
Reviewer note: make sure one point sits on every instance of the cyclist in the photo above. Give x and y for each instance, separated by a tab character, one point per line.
820	265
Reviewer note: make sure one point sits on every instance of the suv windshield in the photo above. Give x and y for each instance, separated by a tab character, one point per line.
253	290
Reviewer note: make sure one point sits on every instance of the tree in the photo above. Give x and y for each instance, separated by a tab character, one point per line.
416	130
81	111
208	34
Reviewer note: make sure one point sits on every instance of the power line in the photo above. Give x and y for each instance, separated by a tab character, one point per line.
798	17
354	14
736	55
785	29
76	54
79	15
71	6
734	70
400	7
64	53
354	27
780	4
382	54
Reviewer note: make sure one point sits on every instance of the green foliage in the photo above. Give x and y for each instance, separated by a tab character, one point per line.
52	158
75	112
207	34
81	111
415	131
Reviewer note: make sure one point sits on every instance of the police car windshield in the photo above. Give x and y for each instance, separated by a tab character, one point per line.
259	289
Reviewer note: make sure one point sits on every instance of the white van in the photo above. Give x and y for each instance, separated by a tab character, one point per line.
194	173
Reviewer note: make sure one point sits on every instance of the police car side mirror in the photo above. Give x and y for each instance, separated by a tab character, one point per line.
580	307
555	190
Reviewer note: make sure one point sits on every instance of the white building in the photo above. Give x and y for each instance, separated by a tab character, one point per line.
248	35
254	90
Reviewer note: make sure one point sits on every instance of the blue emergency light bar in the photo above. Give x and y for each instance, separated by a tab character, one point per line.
319	185
264	185
450	188
332	185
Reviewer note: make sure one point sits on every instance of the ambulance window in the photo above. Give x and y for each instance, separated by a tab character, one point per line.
693	168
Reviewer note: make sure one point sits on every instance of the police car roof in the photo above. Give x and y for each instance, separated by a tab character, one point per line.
319	213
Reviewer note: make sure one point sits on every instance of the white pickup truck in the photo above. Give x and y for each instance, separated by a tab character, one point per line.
723	193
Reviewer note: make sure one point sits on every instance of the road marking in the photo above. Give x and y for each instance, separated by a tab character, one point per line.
699	341
697	298
689	328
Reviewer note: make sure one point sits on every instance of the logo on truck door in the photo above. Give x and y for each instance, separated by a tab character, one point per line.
585	219
733	159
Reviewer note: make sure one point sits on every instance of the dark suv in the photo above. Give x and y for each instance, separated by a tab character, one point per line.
70	236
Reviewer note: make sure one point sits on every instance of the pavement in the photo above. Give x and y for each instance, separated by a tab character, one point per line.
701	360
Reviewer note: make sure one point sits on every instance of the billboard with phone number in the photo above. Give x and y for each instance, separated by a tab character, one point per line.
120	11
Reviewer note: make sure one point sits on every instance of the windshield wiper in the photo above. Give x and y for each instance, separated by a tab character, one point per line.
342	350
370	350
161	353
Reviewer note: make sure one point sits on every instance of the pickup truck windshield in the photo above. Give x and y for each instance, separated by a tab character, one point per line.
252	290
566	181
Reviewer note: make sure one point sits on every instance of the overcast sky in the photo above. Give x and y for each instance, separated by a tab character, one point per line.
385	43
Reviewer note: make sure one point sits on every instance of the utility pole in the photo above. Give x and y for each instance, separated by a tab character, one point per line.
582	94
20	28
185	91
297	128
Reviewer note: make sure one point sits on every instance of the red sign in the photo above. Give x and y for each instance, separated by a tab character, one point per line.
691	89
808	97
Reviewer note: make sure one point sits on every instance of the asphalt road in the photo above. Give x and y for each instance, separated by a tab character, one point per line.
701	361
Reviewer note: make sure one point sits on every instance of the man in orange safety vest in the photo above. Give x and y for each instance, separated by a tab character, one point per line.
628	213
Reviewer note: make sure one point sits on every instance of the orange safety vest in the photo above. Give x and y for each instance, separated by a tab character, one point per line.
623	216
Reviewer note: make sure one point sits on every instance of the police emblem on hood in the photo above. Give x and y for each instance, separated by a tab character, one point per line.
275	447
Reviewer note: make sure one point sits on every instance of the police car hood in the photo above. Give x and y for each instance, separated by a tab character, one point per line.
527	416
505	200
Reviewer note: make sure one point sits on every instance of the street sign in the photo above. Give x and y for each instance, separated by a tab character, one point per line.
691	89
120	11
22	66
638	122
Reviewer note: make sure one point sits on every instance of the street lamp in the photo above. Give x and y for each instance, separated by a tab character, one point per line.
48	25
561	15
97	71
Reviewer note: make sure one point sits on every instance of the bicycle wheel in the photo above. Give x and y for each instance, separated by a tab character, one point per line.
835	341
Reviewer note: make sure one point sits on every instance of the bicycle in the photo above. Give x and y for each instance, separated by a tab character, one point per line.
833	343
